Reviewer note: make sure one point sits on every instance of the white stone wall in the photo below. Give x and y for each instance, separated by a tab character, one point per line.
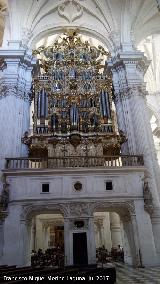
28	187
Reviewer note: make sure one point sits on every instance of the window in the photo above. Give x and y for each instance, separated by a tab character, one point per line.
109	185
45	187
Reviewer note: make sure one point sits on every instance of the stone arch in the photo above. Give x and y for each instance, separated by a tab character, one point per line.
126	211
154	111
155	132
121	208
89	30
29	211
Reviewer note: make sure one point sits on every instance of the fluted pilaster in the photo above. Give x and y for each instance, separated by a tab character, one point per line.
115	230
131	92
15	84
130	99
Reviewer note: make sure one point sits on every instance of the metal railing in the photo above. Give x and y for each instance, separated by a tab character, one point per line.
75	162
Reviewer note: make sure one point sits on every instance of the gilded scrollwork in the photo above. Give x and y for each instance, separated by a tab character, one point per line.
73	99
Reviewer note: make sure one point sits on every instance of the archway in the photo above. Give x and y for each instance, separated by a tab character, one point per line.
115	231
47	240
44	235
109	237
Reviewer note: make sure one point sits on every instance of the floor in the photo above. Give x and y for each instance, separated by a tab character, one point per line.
129	275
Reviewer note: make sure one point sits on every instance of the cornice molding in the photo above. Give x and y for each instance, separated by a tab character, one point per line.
136	58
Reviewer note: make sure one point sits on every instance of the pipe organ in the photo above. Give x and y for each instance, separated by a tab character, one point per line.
73	101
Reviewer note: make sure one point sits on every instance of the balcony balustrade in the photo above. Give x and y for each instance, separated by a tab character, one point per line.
75	162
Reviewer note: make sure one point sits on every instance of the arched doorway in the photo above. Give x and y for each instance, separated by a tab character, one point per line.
47	231
47	240
44	235
108	236
115	231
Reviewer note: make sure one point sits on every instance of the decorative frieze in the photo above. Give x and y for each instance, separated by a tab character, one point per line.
16	65
79	209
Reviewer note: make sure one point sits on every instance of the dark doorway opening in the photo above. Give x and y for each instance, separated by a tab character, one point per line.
80	255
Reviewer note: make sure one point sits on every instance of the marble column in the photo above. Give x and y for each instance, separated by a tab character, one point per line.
155	219
130	93
107	232
131	256
33	235
143	234
115	229
91	244
45	235
102	230
68	244
39	240
28	234
99	231
15	84
122	119
96	235
15	234
126	242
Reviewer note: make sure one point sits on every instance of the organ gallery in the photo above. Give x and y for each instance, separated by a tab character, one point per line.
72	93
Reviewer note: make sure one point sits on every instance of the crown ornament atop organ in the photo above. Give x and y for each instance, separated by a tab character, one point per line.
72	95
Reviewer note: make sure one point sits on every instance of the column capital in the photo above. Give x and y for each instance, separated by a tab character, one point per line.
16	66
23	54
124	59
45	225
128	69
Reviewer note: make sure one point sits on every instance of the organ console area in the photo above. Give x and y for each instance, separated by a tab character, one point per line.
72	95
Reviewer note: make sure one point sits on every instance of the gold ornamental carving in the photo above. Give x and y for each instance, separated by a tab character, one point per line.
72	96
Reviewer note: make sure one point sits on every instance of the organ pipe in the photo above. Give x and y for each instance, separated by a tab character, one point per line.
42	104
54	122
74	115
67	95
105	104
108	105
39	106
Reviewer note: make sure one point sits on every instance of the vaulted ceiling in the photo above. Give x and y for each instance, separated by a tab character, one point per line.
151	48
115	22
